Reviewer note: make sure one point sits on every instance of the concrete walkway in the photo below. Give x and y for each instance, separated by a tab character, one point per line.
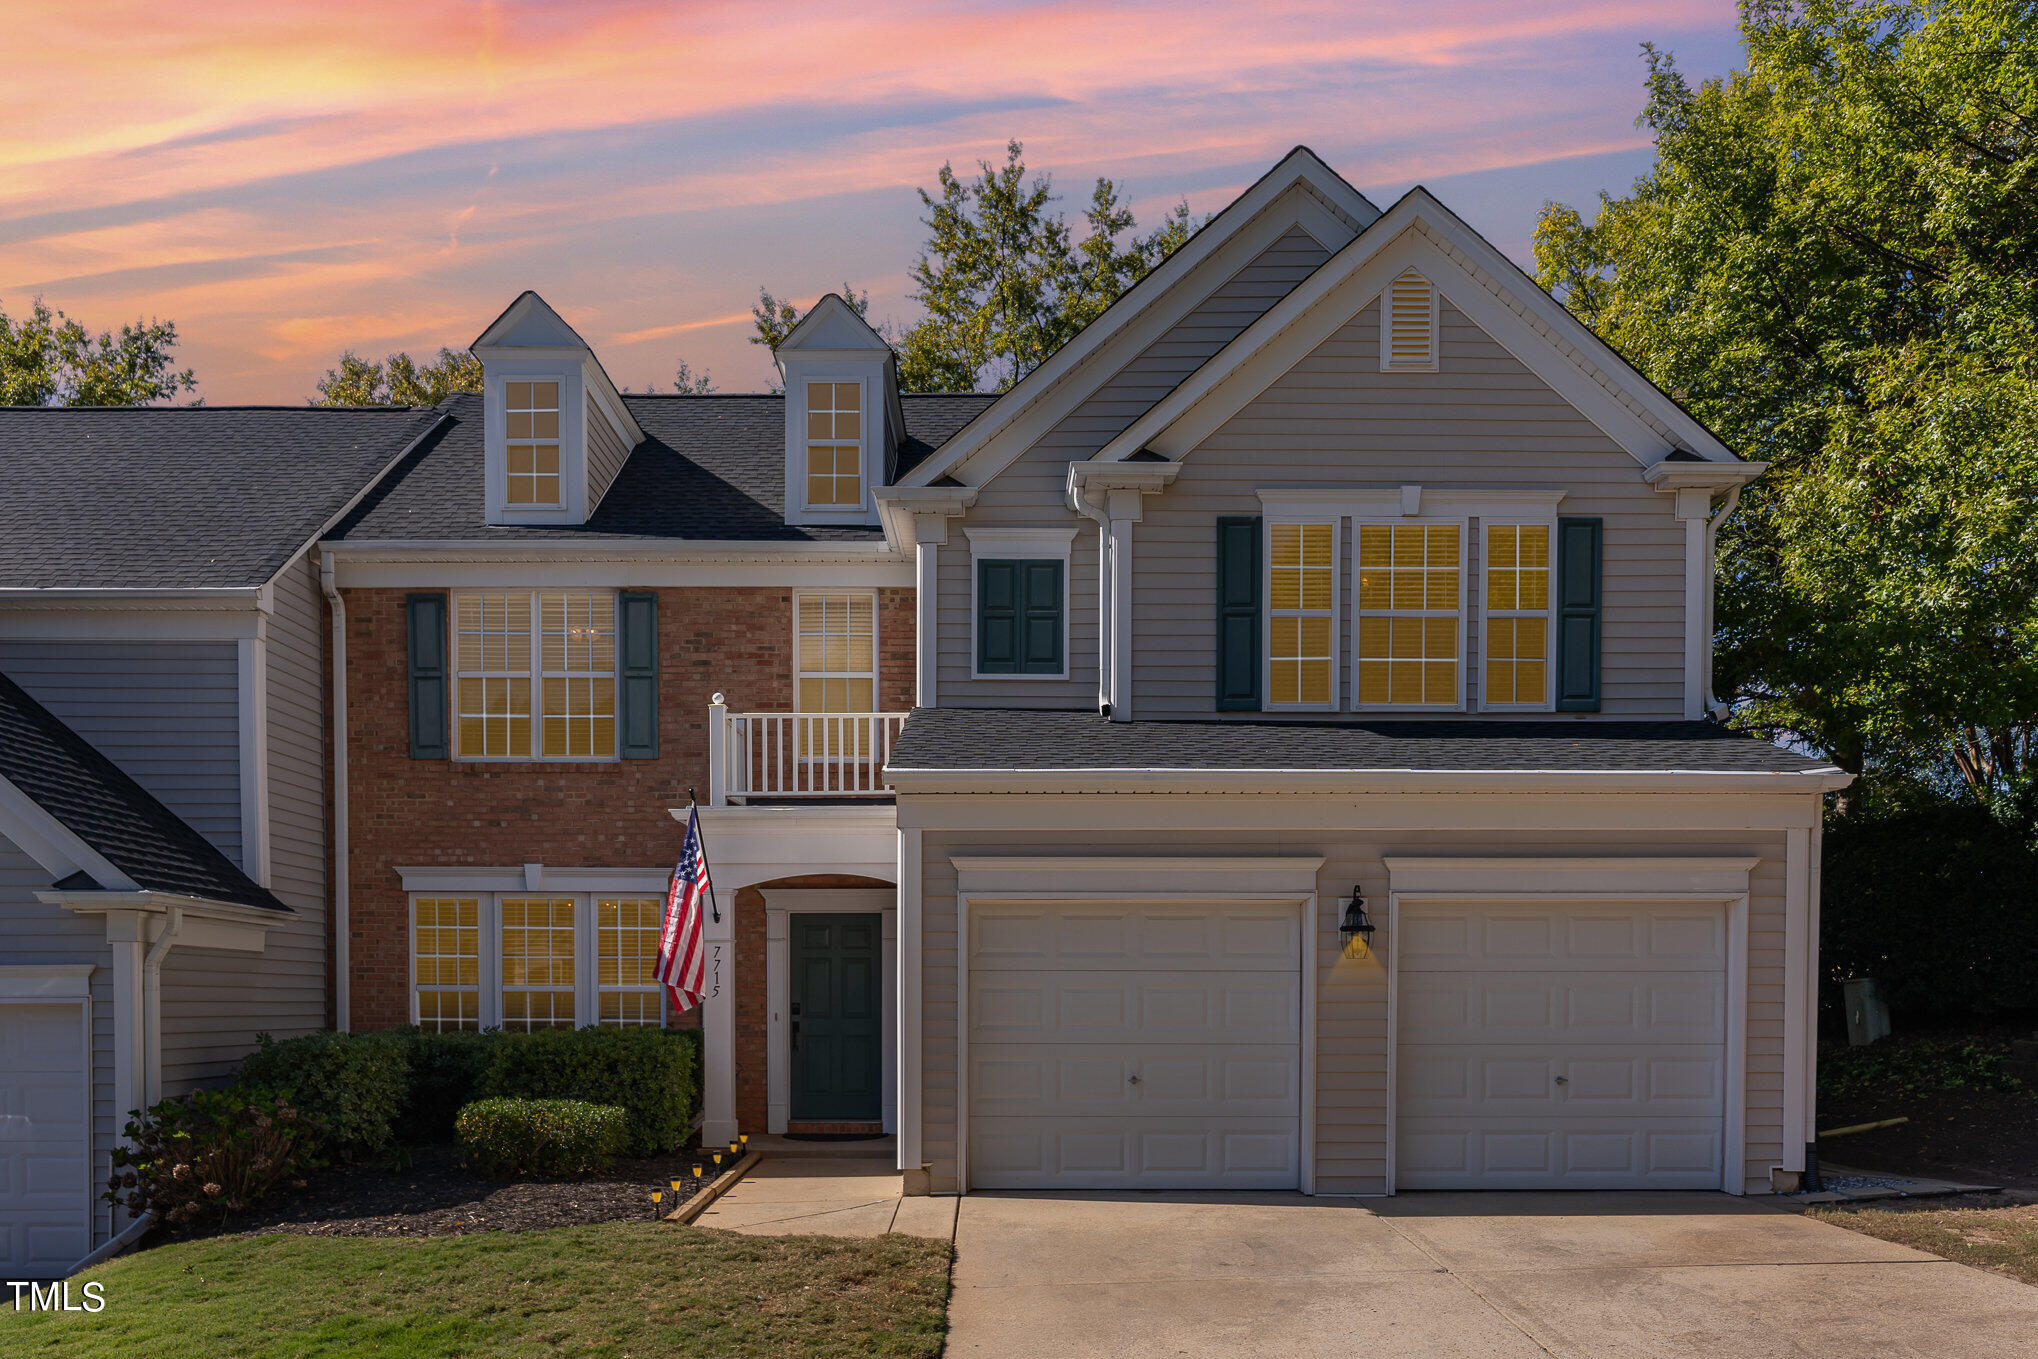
827	1196
1586	1275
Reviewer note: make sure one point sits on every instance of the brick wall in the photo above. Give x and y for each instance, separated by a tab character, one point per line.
737	642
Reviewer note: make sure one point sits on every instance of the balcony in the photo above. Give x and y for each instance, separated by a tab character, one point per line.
760	758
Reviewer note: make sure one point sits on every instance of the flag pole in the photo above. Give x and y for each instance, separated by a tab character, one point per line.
693	819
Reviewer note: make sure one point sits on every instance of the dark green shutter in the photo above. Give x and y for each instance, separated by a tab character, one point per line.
1238	613
1019	617
638	656
1579	555
425	622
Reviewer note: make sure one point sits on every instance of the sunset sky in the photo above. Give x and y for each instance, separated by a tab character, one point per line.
289	179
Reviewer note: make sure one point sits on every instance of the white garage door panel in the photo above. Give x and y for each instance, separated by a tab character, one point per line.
44	1198
1036	1006
1134	1046
1105	1153
1590	1007
1565	1046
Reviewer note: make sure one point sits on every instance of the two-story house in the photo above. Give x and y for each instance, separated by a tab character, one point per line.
163	828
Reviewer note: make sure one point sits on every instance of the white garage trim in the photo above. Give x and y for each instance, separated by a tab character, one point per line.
58	986
780	905
1415	883
1104	880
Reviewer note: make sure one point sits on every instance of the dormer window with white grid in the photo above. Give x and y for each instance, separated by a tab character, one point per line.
1408	325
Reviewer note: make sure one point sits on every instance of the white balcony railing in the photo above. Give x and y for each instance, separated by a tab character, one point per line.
768	756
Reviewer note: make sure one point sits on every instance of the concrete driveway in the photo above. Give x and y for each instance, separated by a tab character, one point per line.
1129	1275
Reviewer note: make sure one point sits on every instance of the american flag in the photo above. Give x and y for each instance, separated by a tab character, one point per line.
682	955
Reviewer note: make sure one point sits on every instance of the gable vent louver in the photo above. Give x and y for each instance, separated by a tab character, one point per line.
1408	325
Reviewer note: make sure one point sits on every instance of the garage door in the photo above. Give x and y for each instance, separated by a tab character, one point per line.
44	1197
1134	1046
1566	1047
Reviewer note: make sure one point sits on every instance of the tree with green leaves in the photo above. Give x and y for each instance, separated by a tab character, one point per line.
1834	263
49	359
399	380
1003	279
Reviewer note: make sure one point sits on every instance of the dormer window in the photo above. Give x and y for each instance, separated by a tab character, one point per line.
531	412
834	445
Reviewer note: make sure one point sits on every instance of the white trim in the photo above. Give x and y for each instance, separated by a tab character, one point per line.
342	868
1006	881
55	847
926	623
60	620
50	982
1334	613
868	372
253	691
1124	779
516	880
1298	191
1697	595
911	1060
780	905
599	566
1017	544
537	676
874	674
561	366
1383	505
1416	882
1476	698
1800	1006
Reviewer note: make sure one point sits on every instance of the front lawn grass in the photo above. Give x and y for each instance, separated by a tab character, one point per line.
626	1289
2002	1238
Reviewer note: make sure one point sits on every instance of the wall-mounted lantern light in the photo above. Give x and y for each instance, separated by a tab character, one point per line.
1356	924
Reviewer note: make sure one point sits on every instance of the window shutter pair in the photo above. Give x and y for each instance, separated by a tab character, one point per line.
1579	554
637	675
1019	622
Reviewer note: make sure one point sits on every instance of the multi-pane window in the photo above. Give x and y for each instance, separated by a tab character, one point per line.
1408	608
835	444
531	414
1517	645
559	644
626	957
1302	619
447	948
492	648
577	630
835	668
537	962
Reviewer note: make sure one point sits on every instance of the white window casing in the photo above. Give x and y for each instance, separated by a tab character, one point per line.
1511	617
534	675
480	995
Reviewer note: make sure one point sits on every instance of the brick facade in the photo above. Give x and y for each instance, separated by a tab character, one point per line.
733	641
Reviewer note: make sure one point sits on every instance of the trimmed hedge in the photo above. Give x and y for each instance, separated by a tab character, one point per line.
351	1088
650	1074
504	1137
445	1072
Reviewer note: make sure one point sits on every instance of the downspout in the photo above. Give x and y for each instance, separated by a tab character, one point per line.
1712	536
342	961
152	1008
1079	500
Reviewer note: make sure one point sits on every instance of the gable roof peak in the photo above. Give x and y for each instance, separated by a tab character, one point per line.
832	323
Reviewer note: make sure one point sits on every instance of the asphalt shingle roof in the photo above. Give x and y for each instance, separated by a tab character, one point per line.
70	779
1022	739
710	468
180	496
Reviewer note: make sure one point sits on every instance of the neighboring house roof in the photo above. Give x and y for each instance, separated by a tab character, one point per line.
180	497
711	468
69	778
1021	740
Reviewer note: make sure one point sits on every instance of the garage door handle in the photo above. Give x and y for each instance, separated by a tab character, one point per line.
1563	1080
1134	1080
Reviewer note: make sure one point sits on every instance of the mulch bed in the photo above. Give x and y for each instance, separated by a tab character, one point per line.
435	1196
1977	1136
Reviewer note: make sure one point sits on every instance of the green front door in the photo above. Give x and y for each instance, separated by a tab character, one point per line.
837	1026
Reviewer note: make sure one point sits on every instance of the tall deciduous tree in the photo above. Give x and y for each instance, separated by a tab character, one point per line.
399	380
48	359
1834	261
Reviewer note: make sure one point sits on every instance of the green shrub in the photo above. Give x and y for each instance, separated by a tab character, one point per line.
652	1075
505	1137
445	1071
210	1154
1909	1066
351	1087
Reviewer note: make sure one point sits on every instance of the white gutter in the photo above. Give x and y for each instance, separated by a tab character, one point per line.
152	1007
1079	500
112	1246
1348	781
342	915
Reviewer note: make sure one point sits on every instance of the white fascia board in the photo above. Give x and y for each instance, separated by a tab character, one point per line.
454	879
439	565
1316	196
1094	875
207	923
1707	476
1526	782
56	848
1569	874
1525	506
900	508
1413	233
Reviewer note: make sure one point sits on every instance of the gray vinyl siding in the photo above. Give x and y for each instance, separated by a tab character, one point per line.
1483	421
37	933
1352	1116
214	1003
1031	491
168	713
606	453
